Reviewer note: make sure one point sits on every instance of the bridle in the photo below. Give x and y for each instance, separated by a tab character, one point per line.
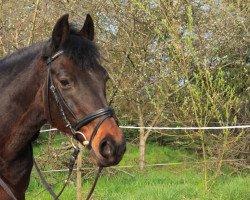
104	113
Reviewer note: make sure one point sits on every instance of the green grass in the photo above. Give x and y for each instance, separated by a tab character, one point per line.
164	184
171	182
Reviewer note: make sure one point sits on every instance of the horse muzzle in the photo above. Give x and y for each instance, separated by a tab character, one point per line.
109	152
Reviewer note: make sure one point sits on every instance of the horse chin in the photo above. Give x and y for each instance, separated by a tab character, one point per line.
100	161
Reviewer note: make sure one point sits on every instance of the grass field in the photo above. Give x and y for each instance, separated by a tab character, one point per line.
183	181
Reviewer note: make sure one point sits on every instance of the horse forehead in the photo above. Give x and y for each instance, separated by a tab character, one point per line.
88	73
67	62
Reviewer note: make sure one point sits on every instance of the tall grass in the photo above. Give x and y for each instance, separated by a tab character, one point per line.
184	181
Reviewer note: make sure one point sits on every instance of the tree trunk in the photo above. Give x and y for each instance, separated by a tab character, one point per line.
142	139
142	150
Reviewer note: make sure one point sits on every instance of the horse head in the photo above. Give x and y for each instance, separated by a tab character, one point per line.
75	92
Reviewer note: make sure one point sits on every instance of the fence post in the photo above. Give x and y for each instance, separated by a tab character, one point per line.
79	174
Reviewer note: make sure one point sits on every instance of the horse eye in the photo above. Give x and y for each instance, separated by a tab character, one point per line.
64	82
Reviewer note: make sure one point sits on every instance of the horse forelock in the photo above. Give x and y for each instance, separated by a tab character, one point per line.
81	50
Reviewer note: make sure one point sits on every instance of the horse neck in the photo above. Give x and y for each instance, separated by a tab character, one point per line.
21	108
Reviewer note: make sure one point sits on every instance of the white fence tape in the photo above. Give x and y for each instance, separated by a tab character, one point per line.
173	128
187	128
149	165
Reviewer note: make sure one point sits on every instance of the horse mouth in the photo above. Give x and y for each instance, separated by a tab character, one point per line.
109	158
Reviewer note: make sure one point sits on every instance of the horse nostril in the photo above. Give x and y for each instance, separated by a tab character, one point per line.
107	148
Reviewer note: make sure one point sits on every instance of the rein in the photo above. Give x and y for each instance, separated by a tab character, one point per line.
71	165
7	189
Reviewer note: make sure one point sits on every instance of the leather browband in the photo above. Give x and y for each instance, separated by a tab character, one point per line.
50	59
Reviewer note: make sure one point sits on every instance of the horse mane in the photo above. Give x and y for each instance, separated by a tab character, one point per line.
26	53
83	51
15	63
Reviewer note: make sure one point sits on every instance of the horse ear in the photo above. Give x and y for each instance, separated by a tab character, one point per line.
87	30
60	32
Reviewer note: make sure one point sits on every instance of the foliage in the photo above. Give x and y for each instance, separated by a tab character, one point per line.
171	63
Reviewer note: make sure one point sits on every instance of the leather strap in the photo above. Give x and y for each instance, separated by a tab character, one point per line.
7	189
71	166
97	127
88	118
47	186
50	59
57	94
94	184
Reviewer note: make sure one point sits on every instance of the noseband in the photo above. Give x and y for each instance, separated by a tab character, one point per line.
104	113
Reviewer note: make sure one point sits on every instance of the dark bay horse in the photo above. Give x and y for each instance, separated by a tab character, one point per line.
59	81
